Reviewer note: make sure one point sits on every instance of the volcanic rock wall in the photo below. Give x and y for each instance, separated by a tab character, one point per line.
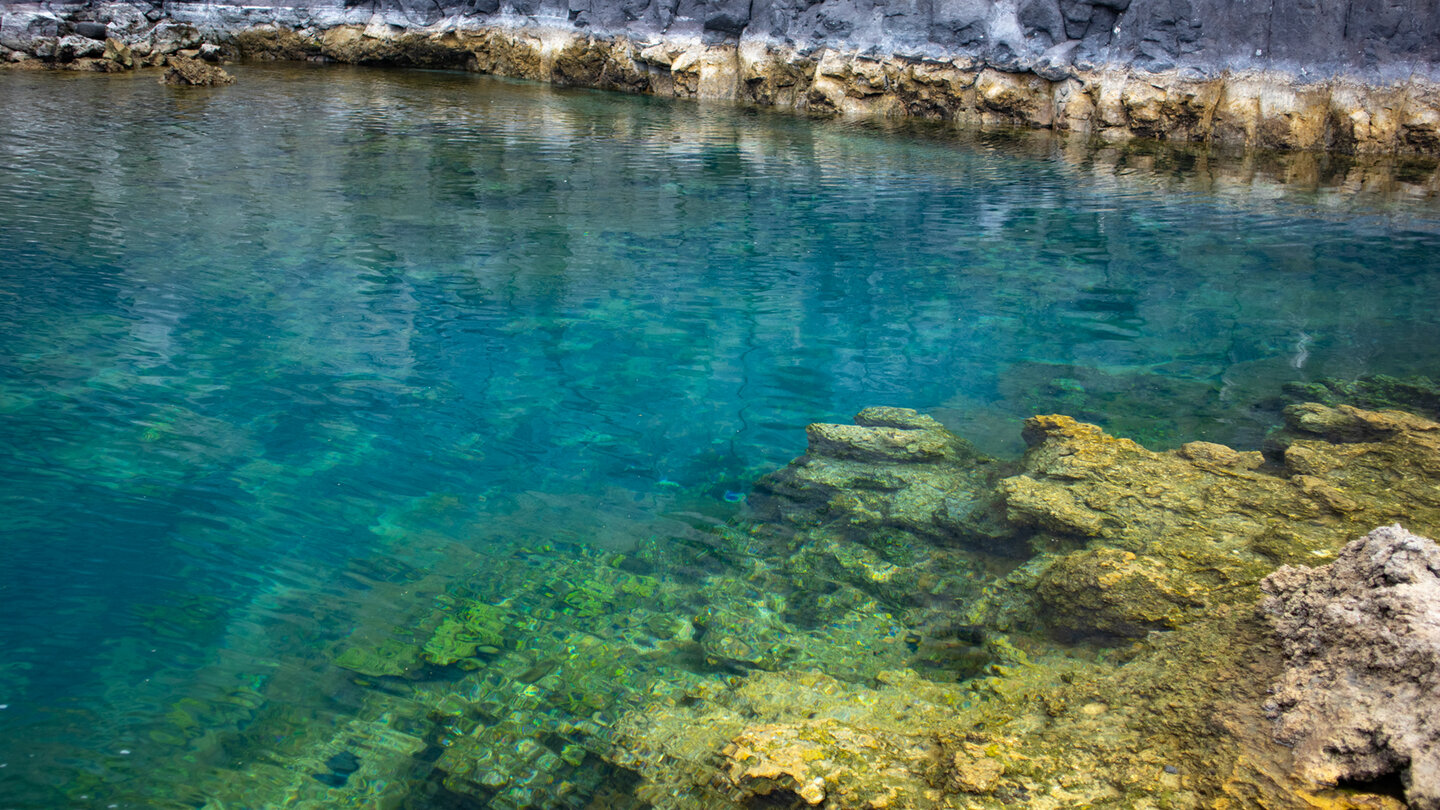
1358	76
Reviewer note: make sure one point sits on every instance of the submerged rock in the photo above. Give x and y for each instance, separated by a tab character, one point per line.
858	651
1418	395
893	469
1360	695
1124	542
185	71
796	739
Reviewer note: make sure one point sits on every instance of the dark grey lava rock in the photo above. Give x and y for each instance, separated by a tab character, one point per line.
1389	39
92	30
1360	696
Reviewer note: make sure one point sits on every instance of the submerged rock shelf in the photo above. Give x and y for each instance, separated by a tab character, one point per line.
909	623
1271	77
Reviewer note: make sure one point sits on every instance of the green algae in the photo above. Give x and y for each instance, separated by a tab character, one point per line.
478	628
1414	394
385	658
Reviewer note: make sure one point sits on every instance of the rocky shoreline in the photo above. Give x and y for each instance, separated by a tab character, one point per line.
1114	69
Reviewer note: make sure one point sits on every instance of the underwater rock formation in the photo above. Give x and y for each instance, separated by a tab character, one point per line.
182	70
1132	540
1198	526
1124	542
801	739
1360	696
855	649
1416	395
1358	78
893	469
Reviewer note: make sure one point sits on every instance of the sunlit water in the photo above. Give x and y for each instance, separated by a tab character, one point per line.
257	339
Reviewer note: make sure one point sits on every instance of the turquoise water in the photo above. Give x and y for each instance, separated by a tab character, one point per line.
272	354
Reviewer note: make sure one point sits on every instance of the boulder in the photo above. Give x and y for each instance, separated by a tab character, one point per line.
1360	694
92	30
72	47
184	71
119	53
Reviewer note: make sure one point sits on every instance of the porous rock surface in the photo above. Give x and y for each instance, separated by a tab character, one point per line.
1121	540
1356	76
1360	696
184	71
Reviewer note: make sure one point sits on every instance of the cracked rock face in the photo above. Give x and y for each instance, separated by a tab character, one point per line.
1353	77
1360	696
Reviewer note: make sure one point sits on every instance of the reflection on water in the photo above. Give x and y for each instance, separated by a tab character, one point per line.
289	364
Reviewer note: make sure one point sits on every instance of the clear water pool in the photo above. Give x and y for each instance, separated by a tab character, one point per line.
263	347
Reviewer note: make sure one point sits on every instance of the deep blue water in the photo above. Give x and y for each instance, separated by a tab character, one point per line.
253	335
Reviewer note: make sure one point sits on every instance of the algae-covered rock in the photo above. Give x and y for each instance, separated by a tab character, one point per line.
479	628
388	657
796	739
1204	522
1129	542
743	638
1116	592
1360	695
893	469
828	762
1378	467
1419	395
183	70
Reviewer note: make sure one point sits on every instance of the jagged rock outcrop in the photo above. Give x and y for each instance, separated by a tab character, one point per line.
1129	540
184	71
1168	536
1358	77
1360	696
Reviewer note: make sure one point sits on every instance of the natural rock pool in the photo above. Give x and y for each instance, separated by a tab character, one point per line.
385	437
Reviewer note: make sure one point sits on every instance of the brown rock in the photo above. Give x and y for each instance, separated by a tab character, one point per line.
119	53
974	772
1111	592
184	71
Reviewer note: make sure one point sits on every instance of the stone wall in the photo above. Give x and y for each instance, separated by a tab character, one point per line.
1359	76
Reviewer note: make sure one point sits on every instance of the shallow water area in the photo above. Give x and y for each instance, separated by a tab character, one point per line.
307	359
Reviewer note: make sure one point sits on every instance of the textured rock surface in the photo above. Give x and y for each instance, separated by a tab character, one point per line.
1360	696
1178	724
181	70
893	469
1125	541
1358	76
798	739
1168	536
